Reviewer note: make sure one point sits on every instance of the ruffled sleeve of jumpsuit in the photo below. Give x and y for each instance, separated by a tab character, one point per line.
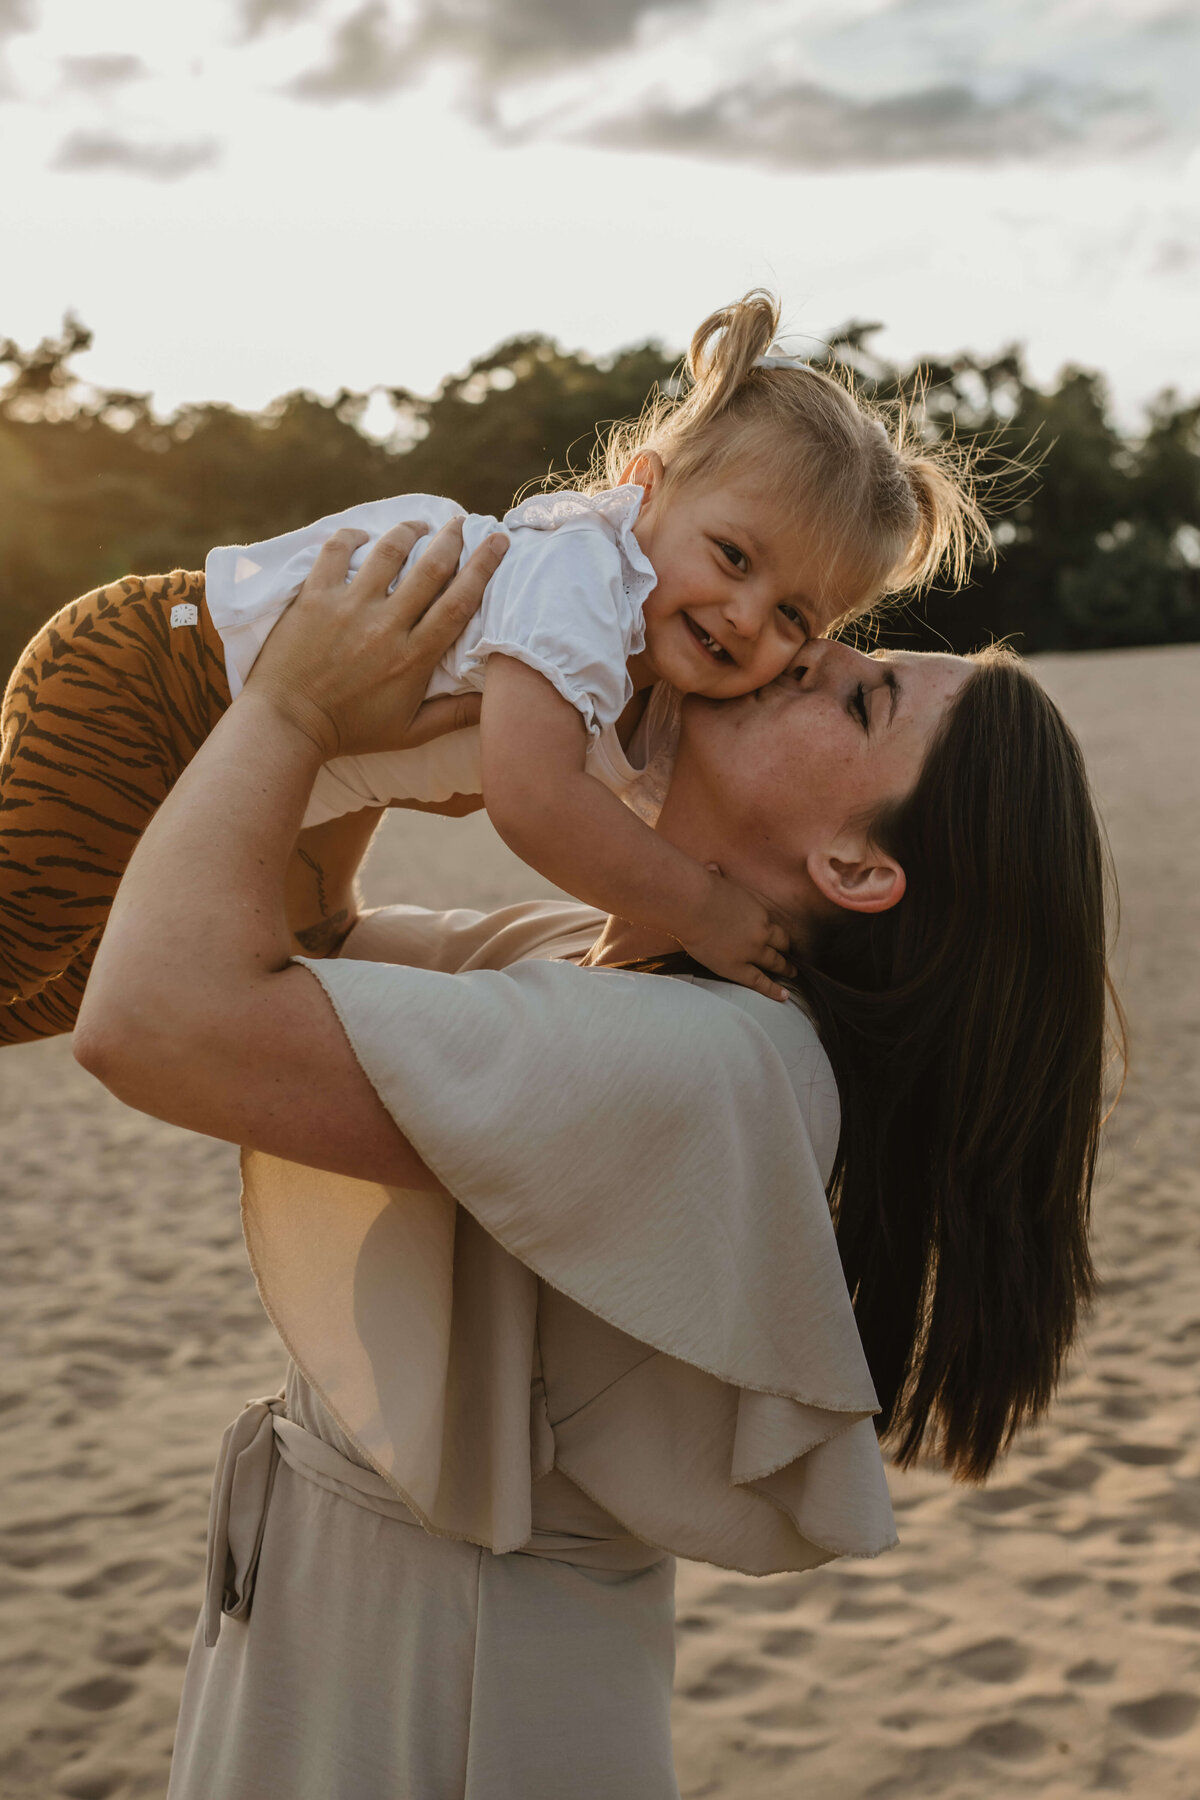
632	1200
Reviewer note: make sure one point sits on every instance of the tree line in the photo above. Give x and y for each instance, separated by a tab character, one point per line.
1098	539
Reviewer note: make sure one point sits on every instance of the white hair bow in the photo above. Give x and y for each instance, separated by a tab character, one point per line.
777	359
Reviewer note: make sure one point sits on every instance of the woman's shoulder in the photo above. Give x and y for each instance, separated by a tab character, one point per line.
461	939
794	1037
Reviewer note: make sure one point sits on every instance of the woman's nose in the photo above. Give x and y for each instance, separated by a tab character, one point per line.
831	657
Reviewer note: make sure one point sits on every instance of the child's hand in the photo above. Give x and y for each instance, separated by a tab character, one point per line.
739	939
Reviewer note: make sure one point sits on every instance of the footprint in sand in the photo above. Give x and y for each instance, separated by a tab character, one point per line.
1188	1582
1009	1740
996	1659
792	1715
855	1611
1052	1587
727	1680
999	1500
90	1783
1165	1715
1127	1408
30	1527
1090	1671
1186	1617
1073	1476
122	1574
788	1643
99	1694
1143	1456
140	1509
128	1649
774	1596
35	1556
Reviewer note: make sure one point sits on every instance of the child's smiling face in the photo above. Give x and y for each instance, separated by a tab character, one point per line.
739	590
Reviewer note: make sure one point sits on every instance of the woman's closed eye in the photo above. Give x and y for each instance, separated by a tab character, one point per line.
858	705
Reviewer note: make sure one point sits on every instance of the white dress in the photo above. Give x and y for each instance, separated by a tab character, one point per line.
441	1565
567	600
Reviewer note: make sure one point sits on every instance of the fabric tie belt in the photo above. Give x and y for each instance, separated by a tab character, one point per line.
251	1451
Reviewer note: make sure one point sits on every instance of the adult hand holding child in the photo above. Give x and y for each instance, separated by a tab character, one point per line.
349	663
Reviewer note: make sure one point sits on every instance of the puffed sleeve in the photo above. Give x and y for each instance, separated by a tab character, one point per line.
567	601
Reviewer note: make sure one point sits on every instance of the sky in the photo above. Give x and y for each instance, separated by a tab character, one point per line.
241	197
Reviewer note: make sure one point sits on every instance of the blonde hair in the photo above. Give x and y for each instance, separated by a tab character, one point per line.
891	510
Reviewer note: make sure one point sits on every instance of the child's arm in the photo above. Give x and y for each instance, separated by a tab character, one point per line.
577	833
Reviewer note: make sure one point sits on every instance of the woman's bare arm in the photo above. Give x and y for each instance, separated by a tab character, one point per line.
194	1012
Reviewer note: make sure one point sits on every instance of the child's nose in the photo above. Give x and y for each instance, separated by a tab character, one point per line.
741	614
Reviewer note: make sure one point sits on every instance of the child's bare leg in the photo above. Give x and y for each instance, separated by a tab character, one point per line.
105	709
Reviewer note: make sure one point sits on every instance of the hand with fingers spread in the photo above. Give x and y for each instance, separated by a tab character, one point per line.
350	661
739	939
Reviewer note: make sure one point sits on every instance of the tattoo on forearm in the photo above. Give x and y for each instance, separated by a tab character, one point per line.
310	862
331	929
327	935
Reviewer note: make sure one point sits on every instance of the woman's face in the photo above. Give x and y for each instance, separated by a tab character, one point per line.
768	785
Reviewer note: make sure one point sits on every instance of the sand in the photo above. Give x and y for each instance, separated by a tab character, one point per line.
1040	1636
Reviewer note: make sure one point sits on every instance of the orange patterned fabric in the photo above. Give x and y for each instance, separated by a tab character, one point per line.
105	709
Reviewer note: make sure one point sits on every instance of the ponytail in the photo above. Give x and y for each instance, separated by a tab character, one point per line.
950	528
724	351
891	511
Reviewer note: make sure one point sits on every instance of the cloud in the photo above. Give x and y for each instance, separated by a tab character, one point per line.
818	84
509	37
368	59
90	151
15	16
101	72
801	124
257	15
499	40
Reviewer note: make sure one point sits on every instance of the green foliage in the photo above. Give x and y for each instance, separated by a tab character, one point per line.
1098	532
1100	547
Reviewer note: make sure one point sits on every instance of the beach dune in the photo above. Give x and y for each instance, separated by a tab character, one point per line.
1037	1636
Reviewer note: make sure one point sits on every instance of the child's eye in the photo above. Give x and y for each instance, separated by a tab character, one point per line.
737	557
794	616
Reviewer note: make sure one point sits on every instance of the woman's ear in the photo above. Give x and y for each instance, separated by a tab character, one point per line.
646	469
857	876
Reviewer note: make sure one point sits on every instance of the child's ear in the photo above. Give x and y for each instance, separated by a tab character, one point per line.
646	469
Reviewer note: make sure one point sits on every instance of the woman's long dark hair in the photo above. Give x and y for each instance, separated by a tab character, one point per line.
967	1030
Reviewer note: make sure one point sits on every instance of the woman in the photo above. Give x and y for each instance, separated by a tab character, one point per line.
604	1320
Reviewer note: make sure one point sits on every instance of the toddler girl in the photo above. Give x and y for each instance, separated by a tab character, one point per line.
718	534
